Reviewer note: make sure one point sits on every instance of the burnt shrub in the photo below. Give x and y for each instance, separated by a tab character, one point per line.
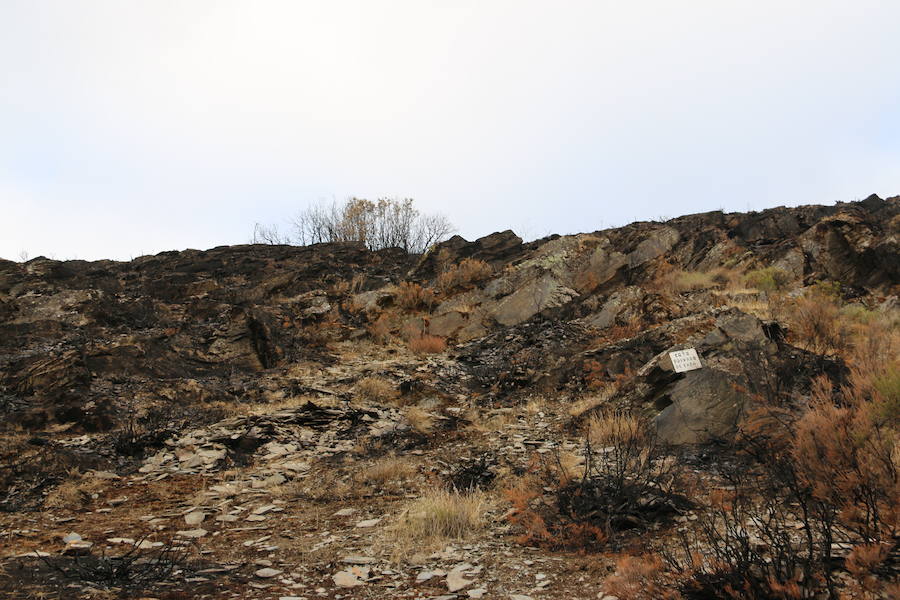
475	473
140	565
143	430
626	481
815	494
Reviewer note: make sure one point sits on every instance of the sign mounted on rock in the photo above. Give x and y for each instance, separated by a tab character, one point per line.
685	360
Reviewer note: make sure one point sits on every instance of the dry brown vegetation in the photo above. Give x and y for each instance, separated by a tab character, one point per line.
437	517
419	419
427	344
78	490
376	389
822	477
380	329
388	470
469	271
640	578
810	480
624	482
412	296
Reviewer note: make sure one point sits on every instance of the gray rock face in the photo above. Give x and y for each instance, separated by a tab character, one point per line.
495	249
536	296
708	403
698	406
705	405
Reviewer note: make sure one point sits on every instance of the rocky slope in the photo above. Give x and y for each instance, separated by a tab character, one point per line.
203	384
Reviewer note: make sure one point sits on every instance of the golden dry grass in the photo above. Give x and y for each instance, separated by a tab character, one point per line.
436	518
465	273
412	296
581	407
388	470
535	406
376	389
75	492
419	419
613	428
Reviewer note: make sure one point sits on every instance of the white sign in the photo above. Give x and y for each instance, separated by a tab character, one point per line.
685	360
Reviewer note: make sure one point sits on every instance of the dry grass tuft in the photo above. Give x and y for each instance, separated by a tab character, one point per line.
376	389
768	279
639	578
380	329
427	344
674	281
289	403
388	470
581	407
616	428
437	517
420	420
536	406
78	491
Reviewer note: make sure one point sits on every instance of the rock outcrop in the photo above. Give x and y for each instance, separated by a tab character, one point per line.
77	338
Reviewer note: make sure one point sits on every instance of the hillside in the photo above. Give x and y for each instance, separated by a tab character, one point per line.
266	421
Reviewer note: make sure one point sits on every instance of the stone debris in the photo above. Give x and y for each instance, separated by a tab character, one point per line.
192	533
119	540
288	441
455	580
352	577
359	560
195	517
267	573
426	575
368	523
78	548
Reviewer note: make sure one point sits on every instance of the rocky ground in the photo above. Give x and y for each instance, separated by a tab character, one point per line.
260	421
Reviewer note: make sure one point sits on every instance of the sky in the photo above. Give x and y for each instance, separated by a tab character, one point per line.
134	127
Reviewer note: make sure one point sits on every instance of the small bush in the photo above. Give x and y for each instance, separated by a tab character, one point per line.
826	476
473	474
638	578
887	403
769	279
380	329
427	344
467	272
412	296
817	325
137	567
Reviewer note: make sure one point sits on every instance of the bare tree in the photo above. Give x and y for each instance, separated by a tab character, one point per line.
268	234
383	223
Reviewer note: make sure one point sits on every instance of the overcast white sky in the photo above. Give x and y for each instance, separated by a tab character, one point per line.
128	127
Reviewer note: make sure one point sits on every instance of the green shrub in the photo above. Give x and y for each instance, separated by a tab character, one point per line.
888	387
769	279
